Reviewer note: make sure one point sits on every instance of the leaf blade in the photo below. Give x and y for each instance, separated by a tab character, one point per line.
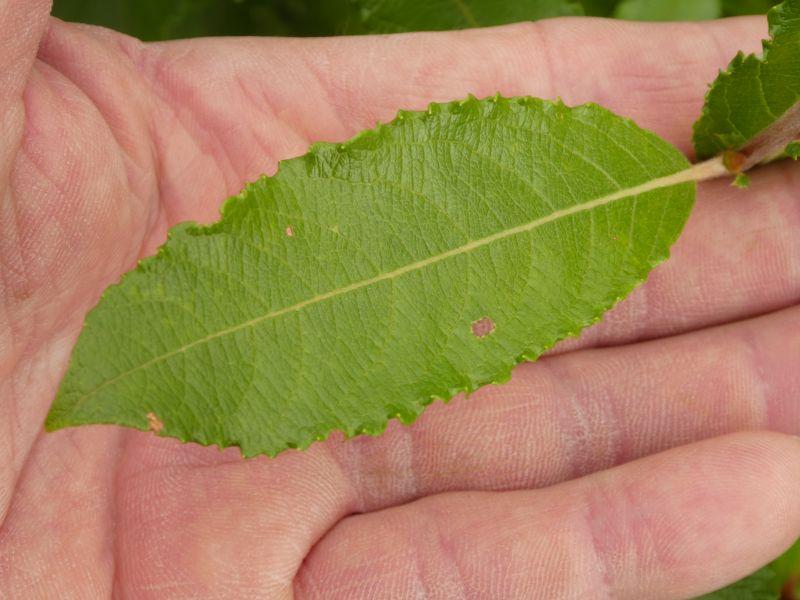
755	91
400	240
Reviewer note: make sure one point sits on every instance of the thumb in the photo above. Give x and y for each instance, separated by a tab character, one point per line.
22	24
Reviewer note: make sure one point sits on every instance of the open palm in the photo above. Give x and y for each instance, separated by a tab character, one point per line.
513	493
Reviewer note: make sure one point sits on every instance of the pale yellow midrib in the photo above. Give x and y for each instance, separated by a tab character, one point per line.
703	171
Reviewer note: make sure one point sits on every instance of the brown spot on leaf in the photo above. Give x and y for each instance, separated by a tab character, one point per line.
154	423
482	327
734	161
289	231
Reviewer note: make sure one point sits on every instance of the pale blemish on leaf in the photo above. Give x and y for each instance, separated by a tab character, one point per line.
154	424
289	231
482	327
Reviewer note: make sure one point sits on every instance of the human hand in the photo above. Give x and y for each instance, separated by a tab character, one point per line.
513	493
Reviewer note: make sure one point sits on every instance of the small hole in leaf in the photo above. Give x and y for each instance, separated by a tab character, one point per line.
482	327
154	424
289	231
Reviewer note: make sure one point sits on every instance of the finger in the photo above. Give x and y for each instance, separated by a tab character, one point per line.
674	525
617	64
118	527
220	98
560	418
580	413
619	403
66	491
740	256
22	23
557	419
69	225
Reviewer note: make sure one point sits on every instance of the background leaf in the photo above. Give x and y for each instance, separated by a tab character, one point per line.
170	19
755	91
669	10
391	16
421	259
599	8
732	8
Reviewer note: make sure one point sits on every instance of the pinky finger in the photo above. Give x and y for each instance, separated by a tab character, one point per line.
671	526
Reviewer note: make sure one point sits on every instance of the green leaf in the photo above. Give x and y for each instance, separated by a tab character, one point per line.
668	10
392	16
766	583
364	280
793	150
599	8
755	91
732	8
758	586
169	19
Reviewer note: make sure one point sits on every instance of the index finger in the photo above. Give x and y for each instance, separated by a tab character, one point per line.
656	74
737	259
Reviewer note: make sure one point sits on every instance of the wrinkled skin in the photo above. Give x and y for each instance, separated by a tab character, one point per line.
649	459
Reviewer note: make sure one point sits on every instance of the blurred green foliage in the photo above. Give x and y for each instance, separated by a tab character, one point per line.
599	8
732	8
172	19
169	19
669	10
391	16
688	10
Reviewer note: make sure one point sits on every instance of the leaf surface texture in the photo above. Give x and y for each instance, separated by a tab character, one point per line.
421	259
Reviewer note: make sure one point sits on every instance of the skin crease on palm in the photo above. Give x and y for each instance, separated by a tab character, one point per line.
649	459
